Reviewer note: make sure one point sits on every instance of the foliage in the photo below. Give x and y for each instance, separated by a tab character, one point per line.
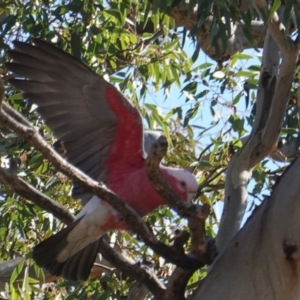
213	109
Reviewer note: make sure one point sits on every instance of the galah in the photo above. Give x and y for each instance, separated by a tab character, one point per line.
102	135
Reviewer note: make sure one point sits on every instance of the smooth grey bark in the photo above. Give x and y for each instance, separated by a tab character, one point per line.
240	167
272	98
262	262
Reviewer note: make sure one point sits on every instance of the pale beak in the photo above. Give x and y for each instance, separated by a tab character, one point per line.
191	197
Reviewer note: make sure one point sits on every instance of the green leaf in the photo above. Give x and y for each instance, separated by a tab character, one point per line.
237	98
237	124
9	22
171	45
25	286
287	11
114	14
202	165
241	55
243	73
76	45
274	8
204	66
202	94
16	272
190	114
190	87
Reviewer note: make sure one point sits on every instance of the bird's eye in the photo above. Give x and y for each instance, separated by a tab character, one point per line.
182	183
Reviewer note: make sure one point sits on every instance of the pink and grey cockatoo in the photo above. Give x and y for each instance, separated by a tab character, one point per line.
102	135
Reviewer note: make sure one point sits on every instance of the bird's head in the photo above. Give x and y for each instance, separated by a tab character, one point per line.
182	181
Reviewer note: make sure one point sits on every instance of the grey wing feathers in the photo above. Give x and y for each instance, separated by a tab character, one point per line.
71	99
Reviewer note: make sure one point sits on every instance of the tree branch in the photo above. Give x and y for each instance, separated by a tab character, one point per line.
177	284
195	214
272	98
139	273
276	28
29	192
235	43
23	128
135	271
263	258
185	210
137	291
134	221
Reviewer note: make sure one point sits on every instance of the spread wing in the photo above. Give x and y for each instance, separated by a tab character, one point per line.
98	128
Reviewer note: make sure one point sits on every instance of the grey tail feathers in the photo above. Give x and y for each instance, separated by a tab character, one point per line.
76	267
